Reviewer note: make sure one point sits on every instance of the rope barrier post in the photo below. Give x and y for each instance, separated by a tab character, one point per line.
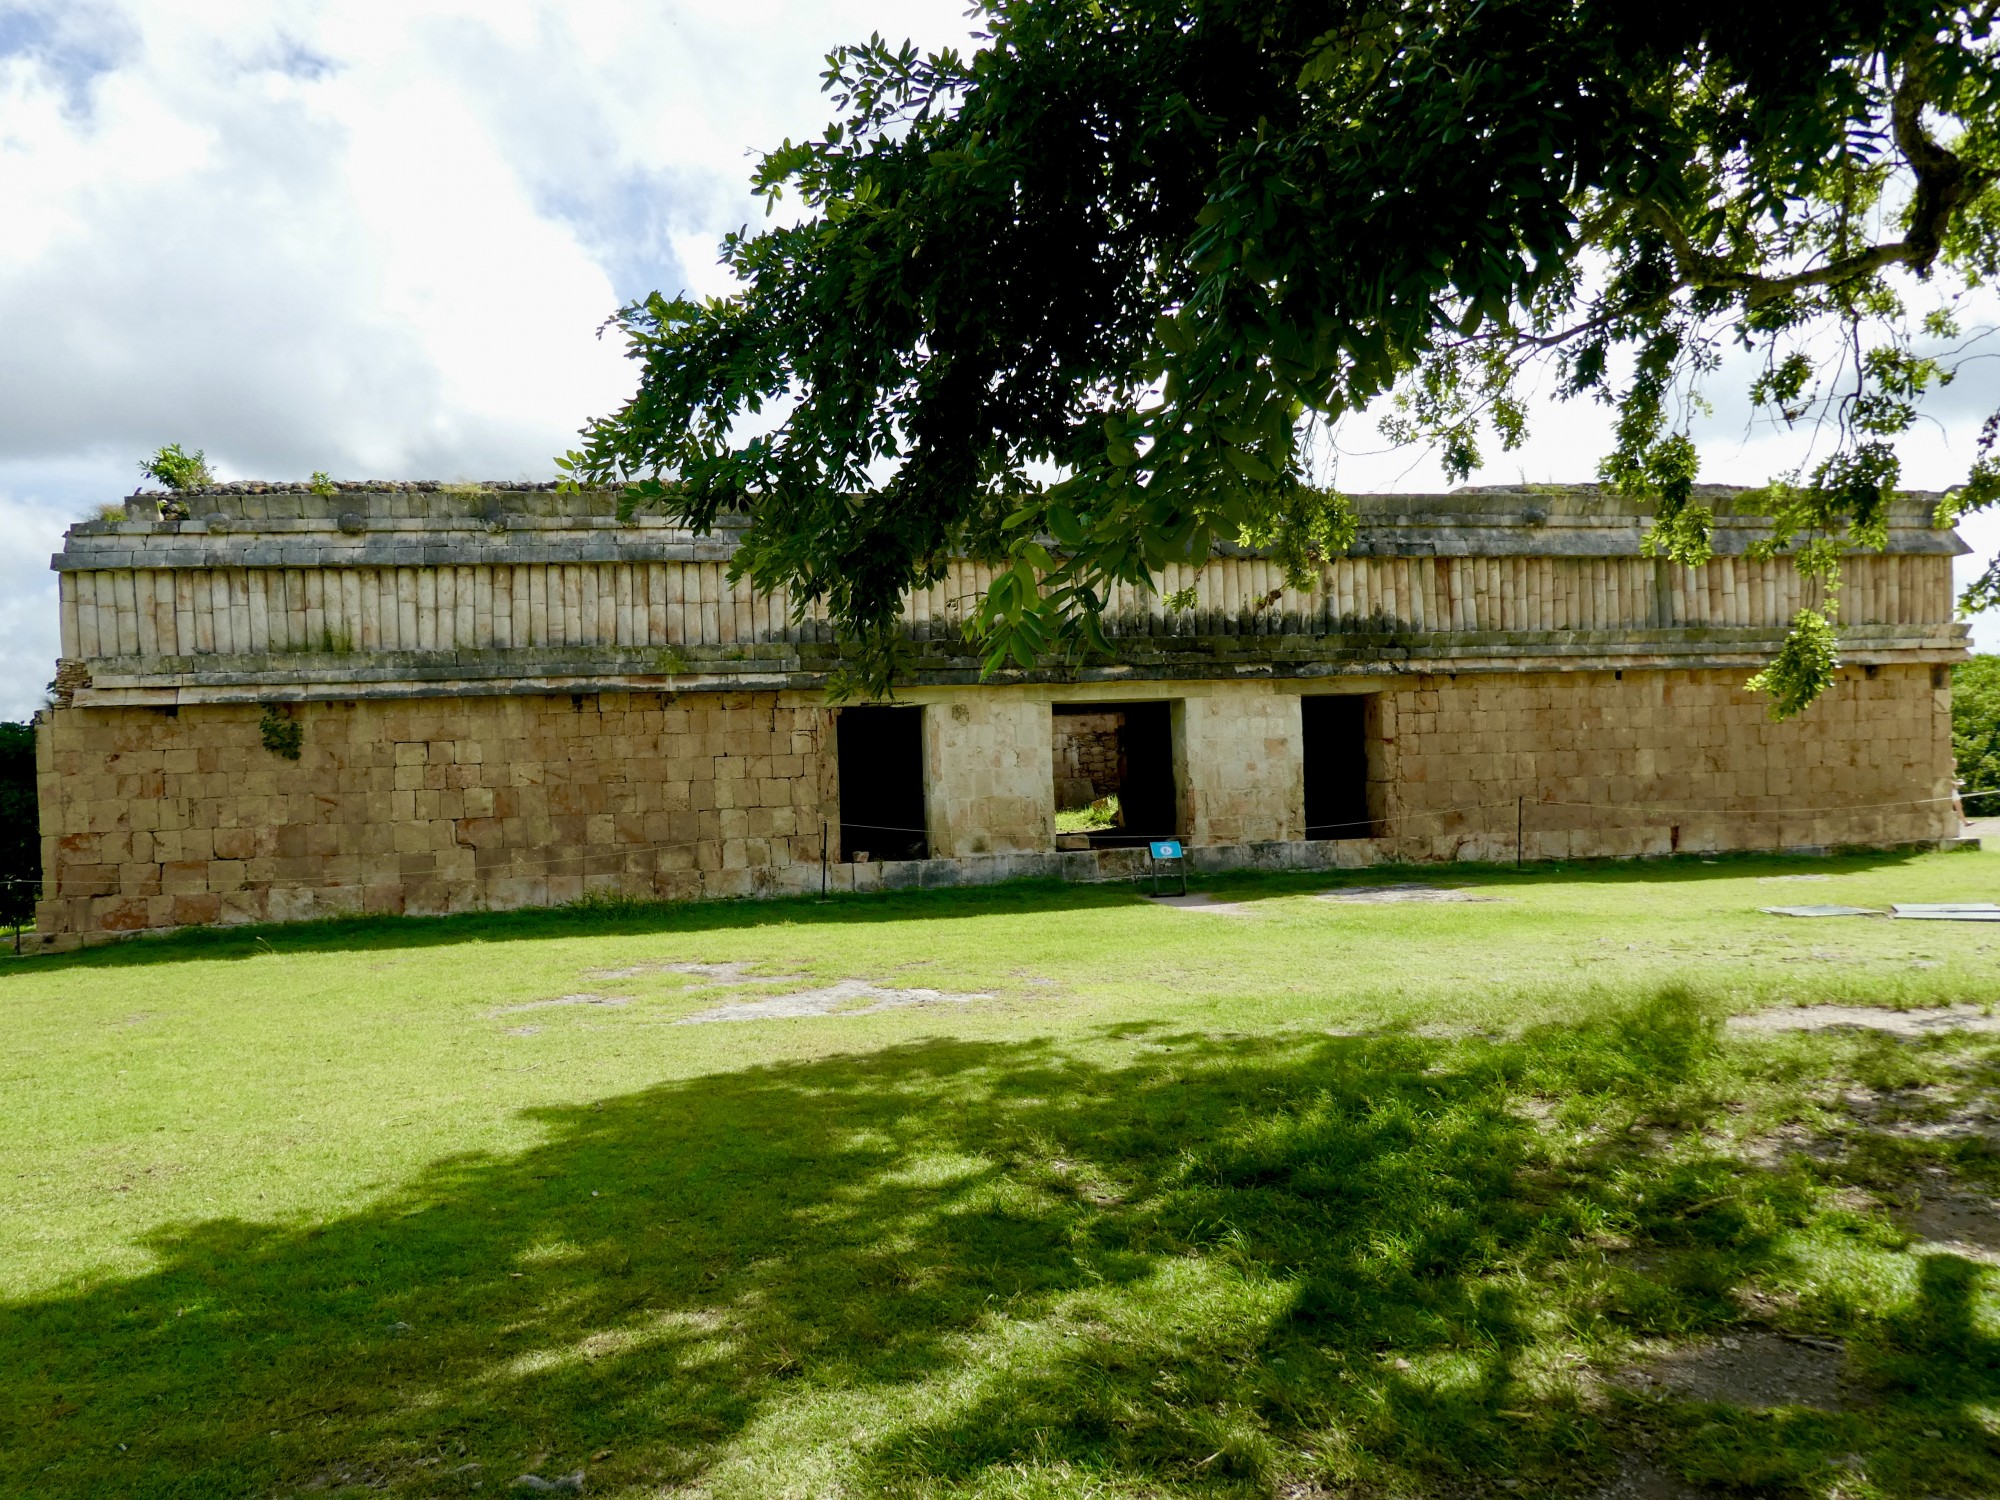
822	857
1520	817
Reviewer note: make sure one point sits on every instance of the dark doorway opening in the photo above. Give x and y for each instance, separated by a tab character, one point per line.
881	753
1123	751
1336	766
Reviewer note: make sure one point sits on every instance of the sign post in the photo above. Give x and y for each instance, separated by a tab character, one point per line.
1165	852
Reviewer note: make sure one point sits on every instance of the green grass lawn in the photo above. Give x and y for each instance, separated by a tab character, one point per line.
1302	1198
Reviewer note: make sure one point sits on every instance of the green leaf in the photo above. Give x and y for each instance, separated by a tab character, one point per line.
1249	465
1063	525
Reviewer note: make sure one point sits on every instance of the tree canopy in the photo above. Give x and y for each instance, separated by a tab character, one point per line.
1975	733
1086	299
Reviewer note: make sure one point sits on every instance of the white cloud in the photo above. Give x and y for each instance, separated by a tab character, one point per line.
376	238
371	238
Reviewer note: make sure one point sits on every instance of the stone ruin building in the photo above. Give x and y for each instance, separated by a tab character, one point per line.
436	698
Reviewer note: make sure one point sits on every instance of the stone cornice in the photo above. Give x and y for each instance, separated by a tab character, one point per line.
436	526
338	675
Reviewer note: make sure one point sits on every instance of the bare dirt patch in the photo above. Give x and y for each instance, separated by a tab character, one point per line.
1956	1223
1755	1369
1640	1479
707	974
1199	901
850	997
1914	1023
1793	1139
579	999
1930	1113
1407	890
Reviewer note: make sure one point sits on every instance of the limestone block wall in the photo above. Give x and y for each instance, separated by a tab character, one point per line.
1086	758
986	761
1241	757
155	819
158	818
1608	764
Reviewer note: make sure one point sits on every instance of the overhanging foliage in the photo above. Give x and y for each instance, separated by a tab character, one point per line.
1080	300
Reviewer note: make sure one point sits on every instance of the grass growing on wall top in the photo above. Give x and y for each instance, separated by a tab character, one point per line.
1369	1199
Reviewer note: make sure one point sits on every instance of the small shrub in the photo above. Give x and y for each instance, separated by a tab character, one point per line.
322	482
1975	732
178	469
283	735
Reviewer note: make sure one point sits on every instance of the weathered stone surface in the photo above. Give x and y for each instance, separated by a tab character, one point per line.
434	805
510	697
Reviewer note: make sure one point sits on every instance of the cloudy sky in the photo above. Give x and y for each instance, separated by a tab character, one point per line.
378	239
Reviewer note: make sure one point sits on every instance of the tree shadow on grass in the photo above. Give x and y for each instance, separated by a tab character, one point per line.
1215	1267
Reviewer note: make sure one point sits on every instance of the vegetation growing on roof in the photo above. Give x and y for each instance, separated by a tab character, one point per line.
178	469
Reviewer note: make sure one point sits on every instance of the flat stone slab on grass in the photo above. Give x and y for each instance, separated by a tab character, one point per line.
831	1000
1925	1022
1407	891
1902	911
1756	1370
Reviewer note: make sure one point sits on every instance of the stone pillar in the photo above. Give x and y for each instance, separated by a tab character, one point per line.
1240	749
989	787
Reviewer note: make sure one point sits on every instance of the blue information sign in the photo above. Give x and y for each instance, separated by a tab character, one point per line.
1166	848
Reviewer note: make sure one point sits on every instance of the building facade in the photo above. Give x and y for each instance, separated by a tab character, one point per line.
431	698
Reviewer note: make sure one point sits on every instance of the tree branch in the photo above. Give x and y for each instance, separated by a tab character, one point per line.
1943	185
